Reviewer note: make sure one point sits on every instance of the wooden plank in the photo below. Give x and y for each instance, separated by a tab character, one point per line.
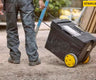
94	30
92	24
86	17
91	20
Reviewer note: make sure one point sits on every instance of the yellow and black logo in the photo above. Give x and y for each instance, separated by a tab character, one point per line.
89	3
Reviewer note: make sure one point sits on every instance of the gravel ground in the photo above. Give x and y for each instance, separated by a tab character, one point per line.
51	68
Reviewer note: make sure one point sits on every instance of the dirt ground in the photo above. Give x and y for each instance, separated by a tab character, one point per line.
51	68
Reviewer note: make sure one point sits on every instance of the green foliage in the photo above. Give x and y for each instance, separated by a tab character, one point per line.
53	7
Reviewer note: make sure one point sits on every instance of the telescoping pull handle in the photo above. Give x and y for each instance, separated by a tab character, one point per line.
42	16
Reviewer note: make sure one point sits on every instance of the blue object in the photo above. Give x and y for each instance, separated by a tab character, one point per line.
42	16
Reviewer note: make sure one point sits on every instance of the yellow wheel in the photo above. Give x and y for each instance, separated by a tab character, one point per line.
87	60
70	60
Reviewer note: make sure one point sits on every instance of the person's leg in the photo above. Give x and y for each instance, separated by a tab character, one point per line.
28	20
12	31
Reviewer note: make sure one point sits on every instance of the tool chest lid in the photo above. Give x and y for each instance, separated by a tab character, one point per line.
68	26
73	30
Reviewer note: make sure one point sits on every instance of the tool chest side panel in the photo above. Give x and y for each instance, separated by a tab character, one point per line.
60	46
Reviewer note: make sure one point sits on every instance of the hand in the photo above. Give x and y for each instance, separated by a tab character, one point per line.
1	8
41	4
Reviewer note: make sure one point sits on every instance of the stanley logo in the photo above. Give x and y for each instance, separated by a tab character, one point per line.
89	3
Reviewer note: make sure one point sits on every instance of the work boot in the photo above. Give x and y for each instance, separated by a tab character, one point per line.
10	60
35	62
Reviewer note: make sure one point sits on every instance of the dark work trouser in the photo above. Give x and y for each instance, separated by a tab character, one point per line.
26	9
